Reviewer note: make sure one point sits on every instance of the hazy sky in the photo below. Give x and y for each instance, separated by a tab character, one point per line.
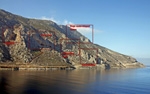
120	25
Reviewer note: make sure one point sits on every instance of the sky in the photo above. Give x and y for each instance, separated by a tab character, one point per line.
120	25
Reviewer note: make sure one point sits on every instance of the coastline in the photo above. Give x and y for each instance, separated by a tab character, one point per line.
16	67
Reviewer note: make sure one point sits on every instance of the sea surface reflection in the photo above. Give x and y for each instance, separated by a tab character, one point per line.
114	81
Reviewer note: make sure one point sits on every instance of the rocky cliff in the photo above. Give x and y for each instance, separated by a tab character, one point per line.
43	42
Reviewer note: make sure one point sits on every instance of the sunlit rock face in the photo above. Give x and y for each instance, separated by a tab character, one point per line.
42	42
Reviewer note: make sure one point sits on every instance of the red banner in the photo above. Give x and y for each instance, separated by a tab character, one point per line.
74	27
80	26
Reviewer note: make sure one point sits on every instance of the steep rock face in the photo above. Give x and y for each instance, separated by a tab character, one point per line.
42	42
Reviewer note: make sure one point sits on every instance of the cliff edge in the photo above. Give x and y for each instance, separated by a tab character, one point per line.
43	42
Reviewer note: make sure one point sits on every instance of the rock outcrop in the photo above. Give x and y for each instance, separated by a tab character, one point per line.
42	42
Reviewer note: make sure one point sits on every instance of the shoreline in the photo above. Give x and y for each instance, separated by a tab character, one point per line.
17	67
33	67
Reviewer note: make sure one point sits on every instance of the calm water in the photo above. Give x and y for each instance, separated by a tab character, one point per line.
125	81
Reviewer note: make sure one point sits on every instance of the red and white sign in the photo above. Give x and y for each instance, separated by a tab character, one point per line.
74	27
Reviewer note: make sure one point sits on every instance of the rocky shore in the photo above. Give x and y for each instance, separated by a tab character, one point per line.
20	66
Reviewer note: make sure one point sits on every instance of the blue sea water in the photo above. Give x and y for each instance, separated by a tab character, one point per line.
114	81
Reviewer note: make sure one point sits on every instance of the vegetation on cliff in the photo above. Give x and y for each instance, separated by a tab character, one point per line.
41	42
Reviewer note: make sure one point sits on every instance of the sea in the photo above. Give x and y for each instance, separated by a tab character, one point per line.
83	81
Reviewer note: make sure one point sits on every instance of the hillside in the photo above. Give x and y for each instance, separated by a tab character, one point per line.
43	42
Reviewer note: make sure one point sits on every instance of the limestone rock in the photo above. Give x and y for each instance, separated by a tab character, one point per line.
42	42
